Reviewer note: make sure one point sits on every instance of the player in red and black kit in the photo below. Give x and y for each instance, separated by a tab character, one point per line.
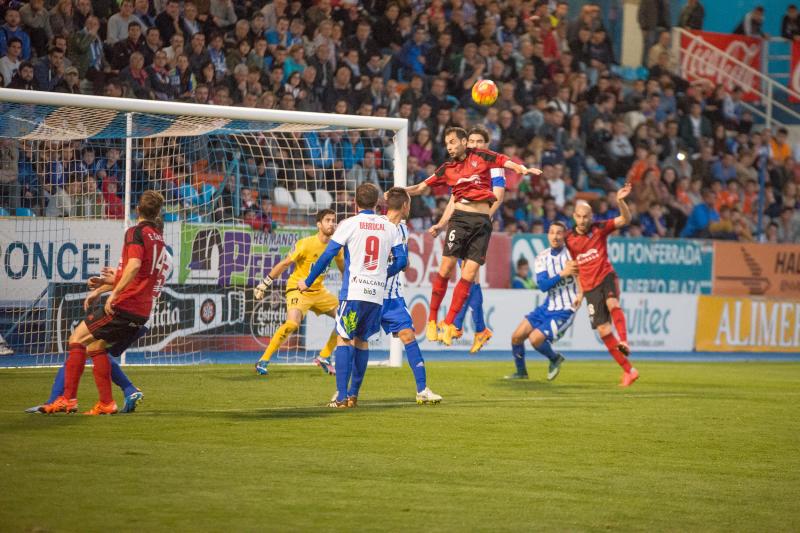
144	258
587	244
469	174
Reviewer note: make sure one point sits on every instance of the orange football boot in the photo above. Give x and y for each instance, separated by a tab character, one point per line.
61	405
629	377
480	339
101	408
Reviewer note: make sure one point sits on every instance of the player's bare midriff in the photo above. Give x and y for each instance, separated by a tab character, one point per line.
483	207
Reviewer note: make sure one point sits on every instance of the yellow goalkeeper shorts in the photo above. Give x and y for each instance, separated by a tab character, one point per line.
321	301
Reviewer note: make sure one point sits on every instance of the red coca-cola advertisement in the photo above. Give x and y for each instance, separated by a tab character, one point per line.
425	256
708	57
794	78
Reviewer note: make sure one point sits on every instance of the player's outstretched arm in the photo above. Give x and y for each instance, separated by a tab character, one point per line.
521	169
321	264
624	217
448	212
416	190
131	269
261	289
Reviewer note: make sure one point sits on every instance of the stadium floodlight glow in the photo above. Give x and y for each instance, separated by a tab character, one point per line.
215	165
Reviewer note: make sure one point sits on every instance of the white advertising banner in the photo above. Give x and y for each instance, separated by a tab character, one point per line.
656	322
38	251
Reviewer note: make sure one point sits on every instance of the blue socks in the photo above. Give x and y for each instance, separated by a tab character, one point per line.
117	376
58	386
120	379
519	358
361	358
475	303
417	364
547	350
344	367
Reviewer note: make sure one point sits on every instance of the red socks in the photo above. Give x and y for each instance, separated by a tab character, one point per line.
618	317
101	367
437	295
460	295
611	344
73	370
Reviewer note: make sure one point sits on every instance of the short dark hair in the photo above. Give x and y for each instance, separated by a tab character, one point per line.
461	133
132	24
396	198
480	130
14	40
559	224
522	262
322	213
367	196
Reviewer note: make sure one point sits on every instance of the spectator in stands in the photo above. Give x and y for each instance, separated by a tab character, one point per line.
653	222
71	83
168	21
11	29
135	77
702	216
119	23
694	127
61	18
692	15
10	188
412	55
724	169
790	24
87	55
752	23
143	12
36	21
653	17
114	207
10	63
24	78
49	71
121	50
522	275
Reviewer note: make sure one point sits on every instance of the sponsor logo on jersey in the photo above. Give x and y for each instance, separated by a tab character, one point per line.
472	179
588	256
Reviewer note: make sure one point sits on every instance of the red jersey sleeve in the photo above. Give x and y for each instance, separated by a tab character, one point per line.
438	177
608	227
494	159
134	244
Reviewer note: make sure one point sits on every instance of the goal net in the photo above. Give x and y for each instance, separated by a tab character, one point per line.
241	187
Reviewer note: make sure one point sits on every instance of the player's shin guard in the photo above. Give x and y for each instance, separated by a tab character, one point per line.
546	349
58	386
519	358
618	317
282	333
360	362
437	295
475	304
344	367
101	368
120	379
460	294
611	343
73	370
327	350
417	364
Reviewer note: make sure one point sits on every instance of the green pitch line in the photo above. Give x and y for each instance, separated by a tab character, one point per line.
688	447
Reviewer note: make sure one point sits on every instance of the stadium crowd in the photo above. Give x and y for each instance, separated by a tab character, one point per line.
691	151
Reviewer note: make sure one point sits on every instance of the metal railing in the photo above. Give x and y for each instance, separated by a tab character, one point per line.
714	67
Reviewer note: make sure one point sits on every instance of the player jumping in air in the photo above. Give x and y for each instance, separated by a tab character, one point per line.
368	240
316	298
477	138
144	261
395	318
555	275
588	245
469	173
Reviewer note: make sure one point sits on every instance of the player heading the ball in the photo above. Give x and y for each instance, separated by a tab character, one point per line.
368	239
469	174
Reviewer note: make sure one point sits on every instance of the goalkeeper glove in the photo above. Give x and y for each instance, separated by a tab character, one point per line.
261	289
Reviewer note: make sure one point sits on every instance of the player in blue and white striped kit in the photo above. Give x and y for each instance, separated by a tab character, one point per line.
556	274
395	318
369	240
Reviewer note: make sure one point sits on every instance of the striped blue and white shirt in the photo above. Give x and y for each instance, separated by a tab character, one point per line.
561	293
394	285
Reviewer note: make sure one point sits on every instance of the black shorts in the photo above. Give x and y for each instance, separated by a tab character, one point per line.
468	236
596	300
119	327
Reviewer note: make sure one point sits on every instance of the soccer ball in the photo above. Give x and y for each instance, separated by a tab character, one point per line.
484	92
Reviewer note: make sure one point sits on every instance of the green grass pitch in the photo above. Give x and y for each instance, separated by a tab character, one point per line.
691	446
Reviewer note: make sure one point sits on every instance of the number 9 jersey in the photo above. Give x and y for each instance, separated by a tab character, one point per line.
367	239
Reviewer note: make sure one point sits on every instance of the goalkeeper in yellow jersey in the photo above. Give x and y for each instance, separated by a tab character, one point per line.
317	298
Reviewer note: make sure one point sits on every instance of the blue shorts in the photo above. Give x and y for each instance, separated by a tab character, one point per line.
395	316
355	318
552	323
